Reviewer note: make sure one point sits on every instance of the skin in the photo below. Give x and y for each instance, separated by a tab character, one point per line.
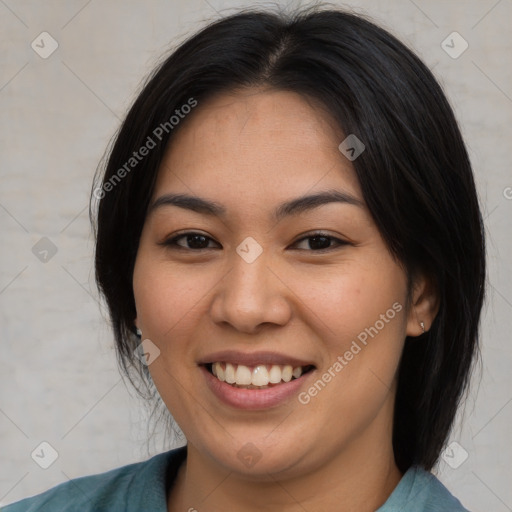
250	151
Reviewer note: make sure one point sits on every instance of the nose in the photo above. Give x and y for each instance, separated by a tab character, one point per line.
251	296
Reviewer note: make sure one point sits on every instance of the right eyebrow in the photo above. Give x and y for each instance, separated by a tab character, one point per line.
194	203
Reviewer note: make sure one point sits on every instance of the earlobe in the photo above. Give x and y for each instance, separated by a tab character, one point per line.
138	332
424	305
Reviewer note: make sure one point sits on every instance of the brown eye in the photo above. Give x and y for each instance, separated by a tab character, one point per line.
321	242
193	241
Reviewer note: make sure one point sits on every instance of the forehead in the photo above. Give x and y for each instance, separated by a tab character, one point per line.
256	144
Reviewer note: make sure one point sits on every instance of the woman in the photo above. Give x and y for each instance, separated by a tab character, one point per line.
290	245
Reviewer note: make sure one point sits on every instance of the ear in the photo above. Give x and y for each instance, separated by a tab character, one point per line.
424	304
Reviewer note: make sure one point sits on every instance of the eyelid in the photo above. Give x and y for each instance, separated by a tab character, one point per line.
339	241
170	242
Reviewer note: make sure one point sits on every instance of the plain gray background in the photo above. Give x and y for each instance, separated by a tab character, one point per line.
59	379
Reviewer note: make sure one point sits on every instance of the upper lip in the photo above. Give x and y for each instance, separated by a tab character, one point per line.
253	358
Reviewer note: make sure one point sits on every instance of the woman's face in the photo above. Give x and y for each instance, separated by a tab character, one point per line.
250	289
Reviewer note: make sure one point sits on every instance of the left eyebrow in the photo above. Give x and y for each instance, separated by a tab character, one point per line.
305	203
288	208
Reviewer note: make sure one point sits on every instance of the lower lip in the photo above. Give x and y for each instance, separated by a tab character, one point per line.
254	398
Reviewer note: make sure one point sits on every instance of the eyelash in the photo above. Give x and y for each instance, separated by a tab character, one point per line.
172	242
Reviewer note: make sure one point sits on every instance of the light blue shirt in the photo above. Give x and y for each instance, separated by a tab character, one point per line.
141	487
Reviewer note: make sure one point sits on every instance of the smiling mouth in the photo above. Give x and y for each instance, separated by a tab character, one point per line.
262	376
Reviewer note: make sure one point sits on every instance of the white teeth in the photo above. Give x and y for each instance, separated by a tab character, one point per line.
243	375
218	371
230	374
286	374
275	374
259	376
297	372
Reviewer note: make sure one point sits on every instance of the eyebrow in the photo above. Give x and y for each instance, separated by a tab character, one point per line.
288	208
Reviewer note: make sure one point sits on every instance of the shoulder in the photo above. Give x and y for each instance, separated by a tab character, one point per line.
124	488
421	491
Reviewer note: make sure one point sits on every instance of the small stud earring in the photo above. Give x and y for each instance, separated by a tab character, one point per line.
139	333
422	325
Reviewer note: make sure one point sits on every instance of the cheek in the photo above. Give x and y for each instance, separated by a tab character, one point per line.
362	330
165	298
349	302
167	304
